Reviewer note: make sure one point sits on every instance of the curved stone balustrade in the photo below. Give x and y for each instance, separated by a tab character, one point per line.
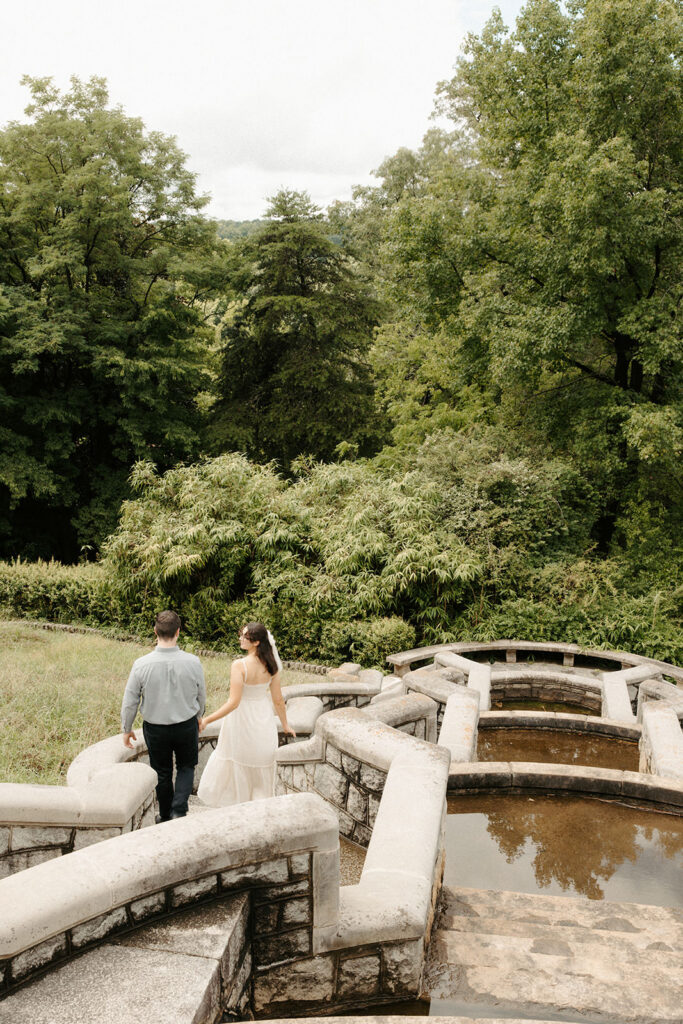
368	939
373	773
512	649
39	822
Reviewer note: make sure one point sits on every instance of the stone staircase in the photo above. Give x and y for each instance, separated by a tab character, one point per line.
181	970
561	958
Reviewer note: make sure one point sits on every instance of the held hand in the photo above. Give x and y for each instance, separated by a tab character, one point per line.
202	724
127	737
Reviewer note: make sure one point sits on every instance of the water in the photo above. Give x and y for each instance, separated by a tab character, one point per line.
531	704
557	747
564	846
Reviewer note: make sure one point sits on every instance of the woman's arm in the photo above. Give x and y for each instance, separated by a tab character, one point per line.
279	704
236	687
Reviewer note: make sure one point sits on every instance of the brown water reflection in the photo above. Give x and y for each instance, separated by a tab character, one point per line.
527	704
565	845
555	747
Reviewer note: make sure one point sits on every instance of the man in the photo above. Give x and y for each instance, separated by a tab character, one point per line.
169	685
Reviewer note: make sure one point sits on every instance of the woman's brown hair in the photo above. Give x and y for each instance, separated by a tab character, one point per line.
258	634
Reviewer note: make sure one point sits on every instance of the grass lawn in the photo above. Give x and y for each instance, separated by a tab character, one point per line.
60	692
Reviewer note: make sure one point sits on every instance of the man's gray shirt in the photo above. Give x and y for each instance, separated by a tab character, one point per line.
168	685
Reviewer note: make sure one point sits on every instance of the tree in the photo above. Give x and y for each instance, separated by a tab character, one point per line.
551	254
106	266
294	375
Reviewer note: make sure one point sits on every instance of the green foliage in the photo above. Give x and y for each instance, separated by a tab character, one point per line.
52	591
534	260
294	372
235	229
107	270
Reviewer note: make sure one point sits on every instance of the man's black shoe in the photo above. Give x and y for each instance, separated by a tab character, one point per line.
174	815
158	820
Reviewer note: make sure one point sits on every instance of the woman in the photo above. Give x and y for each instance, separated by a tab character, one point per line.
242	767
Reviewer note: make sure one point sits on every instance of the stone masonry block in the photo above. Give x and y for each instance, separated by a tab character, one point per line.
299	778
357	803
373	807
300	864
269	873
333	756
38	956
358	977
274	892
296	912
346	823
306	981
88	836
362	835
371	778
266	918
98	927
4	841
30	838
188	892
350	767
271	949
13	863
148	906
330	784
402	965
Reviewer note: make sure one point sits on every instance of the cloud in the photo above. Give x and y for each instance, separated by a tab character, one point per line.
309	93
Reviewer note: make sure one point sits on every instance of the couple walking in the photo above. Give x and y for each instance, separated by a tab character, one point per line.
168	686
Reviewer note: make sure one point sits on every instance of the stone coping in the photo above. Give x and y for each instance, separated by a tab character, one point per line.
460	725
517	776
59	895
659	690
354	732
109	796
559	721
406	1019
404	659
98	891
534	673
661	743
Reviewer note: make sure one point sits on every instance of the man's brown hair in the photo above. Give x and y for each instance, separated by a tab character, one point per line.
166	625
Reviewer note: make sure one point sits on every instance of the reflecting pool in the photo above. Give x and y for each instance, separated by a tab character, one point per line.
529	704
552	746
564	845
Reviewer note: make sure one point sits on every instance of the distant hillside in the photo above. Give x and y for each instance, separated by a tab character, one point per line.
232	229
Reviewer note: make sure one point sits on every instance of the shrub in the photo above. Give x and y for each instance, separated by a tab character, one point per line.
49	590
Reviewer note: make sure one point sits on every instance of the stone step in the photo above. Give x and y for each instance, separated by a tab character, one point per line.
404	1019
521	975
184	969
576	911
666	938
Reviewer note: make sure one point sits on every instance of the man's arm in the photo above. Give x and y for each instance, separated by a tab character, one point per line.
130	705
201	692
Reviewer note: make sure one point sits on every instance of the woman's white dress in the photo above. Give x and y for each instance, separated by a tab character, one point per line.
242	767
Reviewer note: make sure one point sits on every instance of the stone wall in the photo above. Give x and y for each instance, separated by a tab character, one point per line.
38	823
285	853
513	651
345	769
309	945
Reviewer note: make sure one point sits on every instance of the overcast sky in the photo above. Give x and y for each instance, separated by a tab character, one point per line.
308	94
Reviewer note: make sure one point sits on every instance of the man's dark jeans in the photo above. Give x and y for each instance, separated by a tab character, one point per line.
163	742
